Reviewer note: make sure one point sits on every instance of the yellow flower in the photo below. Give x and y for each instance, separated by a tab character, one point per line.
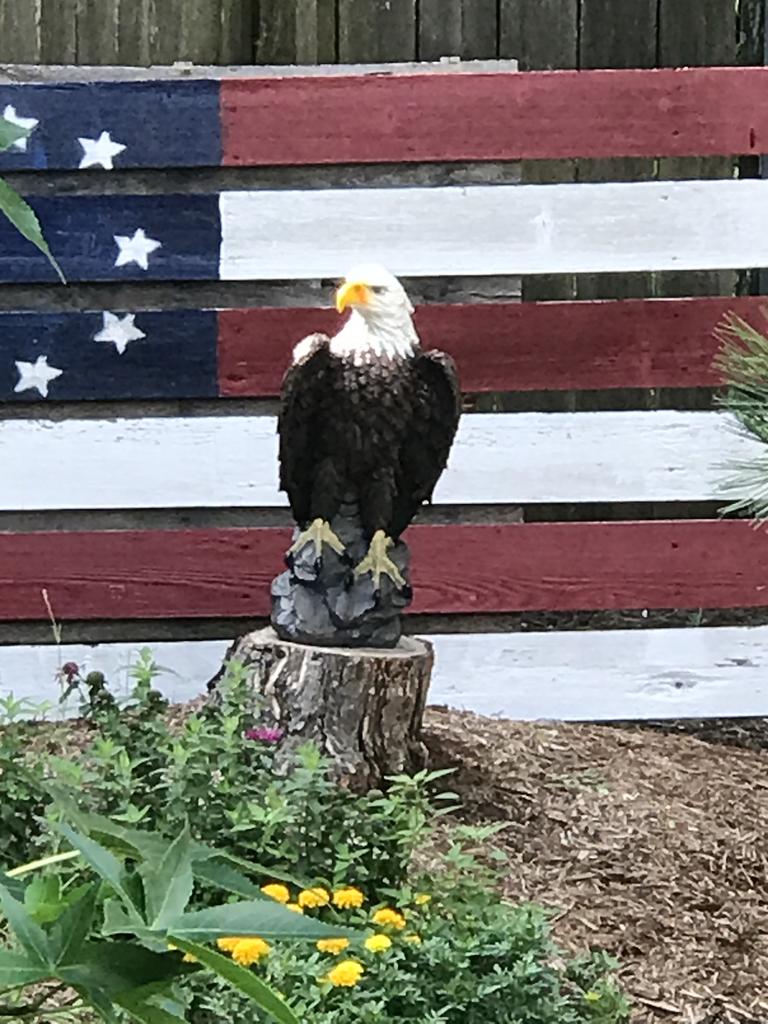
317	897
422	899
276	892
346	974
347	899
592	997
226	945
250	951
390	917
378	943
415	940
332	945
294	907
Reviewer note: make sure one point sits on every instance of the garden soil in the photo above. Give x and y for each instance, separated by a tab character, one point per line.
647	842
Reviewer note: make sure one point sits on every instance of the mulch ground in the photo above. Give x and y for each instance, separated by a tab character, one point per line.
647	842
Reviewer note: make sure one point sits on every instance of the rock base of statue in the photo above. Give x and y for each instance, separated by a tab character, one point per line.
362	709
321	602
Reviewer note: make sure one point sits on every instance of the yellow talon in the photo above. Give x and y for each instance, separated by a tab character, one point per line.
318	533
378	563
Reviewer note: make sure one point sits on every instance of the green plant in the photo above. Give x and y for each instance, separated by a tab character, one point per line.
215	771
126	940
21	778
455	955
14	208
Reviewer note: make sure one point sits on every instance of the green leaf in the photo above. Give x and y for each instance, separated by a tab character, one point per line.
117	968
42	899
227	878
17	969
168	887
132	842
24	219
147	1013
118	922
103	863
265	918
74	927
13	885
10	133
242	979
29	934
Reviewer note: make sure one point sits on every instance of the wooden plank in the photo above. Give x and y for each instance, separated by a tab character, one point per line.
159	574
238	25
20	31
231	461
157	126
117	237
98	31
690	112
135	32
547	346
504	229
618	34
464	28
708	39
377	30
243	353
296	32
542	34
58	32
718	672
474	230
539	33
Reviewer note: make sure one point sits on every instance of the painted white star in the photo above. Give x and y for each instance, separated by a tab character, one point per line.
135	249
99	152
119	331
10	114
36	375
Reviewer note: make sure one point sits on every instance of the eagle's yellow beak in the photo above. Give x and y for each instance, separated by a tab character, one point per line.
352	293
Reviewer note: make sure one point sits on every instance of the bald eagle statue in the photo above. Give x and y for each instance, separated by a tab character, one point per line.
365	416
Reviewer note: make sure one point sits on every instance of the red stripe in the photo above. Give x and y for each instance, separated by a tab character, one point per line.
501	116
523	567
545	346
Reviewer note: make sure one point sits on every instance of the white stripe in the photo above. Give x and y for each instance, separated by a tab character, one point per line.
498	458
632	674
501	229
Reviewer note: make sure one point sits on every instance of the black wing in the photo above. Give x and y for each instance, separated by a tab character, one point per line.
434	418
298	423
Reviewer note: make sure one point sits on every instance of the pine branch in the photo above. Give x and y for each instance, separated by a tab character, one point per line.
742	363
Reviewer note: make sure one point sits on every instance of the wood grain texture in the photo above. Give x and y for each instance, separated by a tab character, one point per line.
538	115
463	28
709	39
525	229
20	31
231	461
362	709
296	32
510	346
58	32
377	30
456	569
98	33
543	34
717	672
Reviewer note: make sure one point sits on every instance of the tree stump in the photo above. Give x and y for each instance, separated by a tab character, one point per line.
362	707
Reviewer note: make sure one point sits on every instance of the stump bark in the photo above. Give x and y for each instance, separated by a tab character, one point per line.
362	707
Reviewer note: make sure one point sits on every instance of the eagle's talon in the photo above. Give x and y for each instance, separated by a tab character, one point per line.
378	563
317	533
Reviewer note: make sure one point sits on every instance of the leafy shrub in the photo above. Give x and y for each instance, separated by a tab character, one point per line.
454	956
215	772
127	940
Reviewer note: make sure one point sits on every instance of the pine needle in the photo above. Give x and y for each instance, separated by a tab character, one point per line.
742	363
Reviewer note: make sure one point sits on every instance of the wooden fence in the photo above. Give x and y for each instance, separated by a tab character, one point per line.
138	495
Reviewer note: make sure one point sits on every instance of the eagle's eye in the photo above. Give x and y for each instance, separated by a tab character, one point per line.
378	289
